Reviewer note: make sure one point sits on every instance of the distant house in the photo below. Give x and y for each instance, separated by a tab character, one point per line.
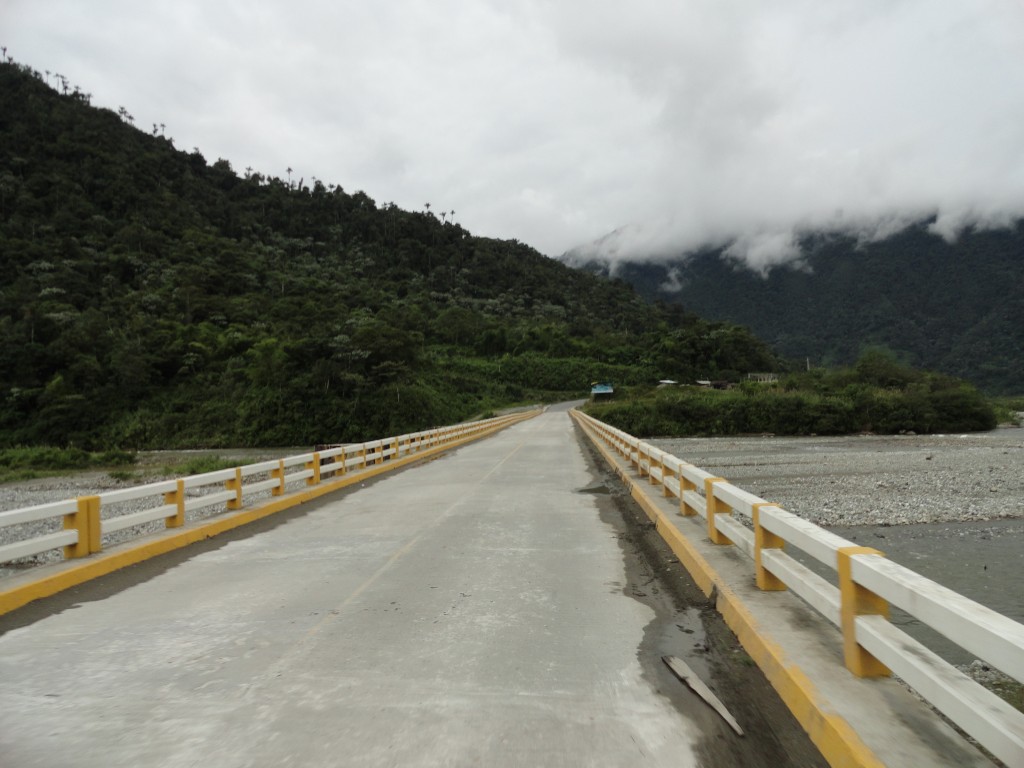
601	390
763	378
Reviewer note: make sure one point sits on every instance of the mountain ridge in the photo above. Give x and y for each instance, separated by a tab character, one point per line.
954	307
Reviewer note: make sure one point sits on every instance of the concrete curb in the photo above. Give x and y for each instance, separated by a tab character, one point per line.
819	712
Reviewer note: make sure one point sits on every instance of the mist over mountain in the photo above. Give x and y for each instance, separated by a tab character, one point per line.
953	305
734	124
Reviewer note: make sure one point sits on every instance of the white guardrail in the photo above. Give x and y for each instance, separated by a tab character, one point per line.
86	520
868	584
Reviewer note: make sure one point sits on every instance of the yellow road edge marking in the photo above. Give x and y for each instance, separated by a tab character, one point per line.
831	733
101	564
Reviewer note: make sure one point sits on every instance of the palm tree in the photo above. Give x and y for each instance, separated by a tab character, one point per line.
289	170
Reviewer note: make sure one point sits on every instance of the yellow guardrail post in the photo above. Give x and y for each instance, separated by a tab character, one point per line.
278	474
685	484
315	466
177	498
235	484
763	539
362	456
715	507
85	520
653	464
666	473
854	601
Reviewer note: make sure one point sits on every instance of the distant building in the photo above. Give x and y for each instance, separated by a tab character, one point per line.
718	384
763	378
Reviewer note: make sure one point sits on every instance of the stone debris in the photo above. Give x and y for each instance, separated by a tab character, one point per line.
872	479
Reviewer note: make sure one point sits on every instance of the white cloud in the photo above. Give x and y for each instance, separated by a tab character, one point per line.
674	124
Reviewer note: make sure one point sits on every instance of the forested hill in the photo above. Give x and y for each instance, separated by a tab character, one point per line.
149	298
952	307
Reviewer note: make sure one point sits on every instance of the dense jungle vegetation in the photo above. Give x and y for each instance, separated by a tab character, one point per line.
954	307
877	394
149	298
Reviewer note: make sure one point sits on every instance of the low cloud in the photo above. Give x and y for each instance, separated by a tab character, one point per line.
671	126
856	118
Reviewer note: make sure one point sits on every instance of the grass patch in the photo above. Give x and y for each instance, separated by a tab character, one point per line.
123	475
31	463
1011	692
1007	408
199	465
16	475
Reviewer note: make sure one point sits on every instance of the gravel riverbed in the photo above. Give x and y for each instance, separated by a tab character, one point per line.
937	490
151	468
872	479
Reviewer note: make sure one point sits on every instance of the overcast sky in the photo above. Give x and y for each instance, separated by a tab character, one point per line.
675	122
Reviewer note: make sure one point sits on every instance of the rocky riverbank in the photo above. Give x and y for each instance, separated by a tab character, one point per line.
152	466
872	479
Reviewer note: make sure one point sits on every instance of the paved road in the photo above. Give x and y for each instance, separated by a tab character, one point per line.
464	612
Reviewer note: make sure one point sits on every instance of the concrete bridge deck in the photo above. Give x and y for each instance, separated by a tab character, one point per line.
468	611
478	609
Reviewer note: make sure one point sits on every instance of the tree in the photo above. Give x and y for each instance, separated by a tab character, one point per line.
188	307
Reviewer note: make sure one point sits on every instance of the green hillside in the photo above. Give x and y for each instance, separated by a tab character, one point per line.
956	307
150	298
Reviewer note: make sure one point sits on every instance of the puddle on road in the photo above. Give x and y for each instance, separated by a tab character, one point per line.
684	636
597	488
